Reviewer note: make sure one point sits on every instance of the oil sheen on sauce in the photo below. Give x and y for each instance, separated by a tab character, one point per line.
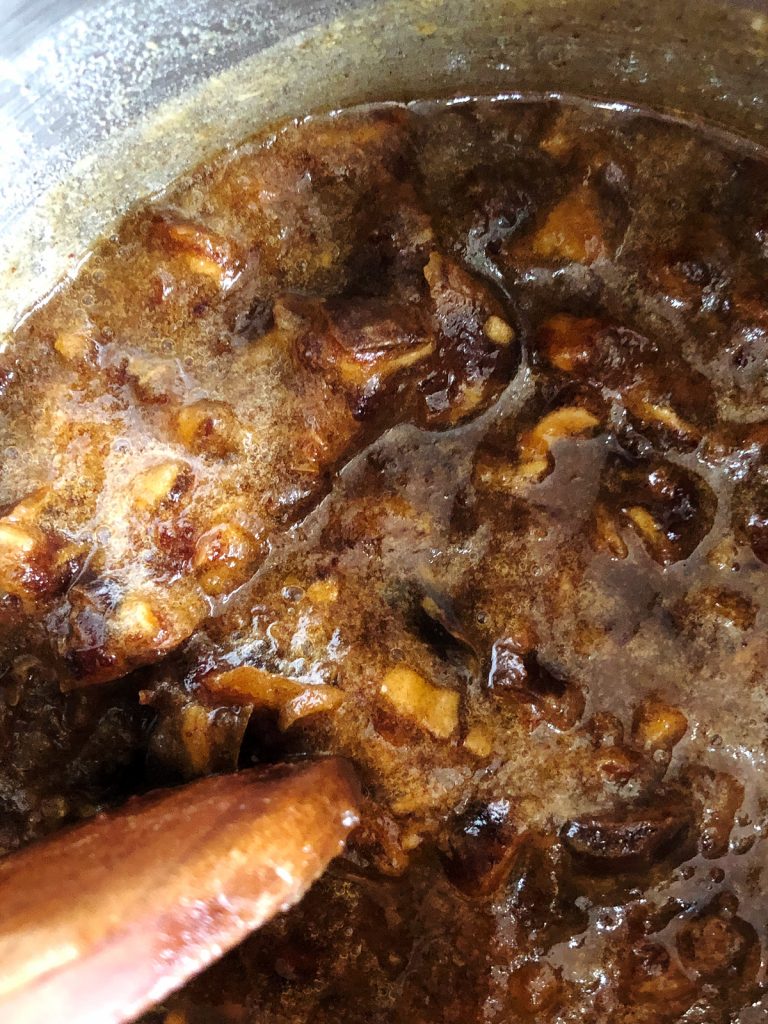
431	435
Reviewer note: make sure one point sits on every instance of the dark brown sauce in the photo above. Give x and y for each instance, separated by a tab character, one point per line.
448	423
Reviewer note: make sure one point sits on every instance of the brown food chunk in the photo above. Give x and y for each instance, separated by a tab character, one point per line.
669	509
523	678
574	229
714	945
624	844
475	355
481	849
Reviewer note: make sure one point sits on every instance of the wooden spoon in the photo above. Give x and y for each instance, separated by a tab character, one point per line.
100	922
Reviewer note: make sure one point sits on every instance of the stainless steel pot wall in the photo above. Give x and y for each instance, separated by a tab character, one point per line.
113	99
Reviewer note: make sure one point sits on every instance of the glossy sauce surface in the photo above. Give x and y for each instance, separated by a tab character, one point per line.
433	436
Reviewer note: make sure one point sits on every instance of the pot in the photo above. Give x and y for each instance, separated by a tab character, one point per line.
102	103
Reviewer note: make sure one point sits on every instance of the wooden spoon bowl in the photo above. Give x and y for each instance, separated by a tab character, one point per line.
105	919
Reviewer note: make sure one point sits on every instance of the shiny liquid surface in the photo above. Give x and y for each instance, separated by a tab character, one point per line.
433	436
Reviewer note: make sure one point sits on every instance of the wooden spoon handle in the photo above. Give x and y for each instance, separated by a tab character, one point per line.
100	922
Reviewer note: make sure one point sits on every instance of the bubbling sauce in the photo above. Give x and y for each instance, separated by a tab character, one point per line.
433	436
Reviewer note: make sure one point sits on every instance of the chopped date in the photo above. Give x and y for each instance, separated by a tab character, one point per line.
522	677
636	842
669	509
480	849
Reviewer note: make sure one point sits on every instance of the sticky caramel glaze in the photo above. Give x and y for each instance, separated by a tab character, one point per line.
433	436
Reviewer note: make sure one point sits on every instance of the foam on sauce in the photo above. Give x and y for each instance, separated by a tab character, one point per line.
434	436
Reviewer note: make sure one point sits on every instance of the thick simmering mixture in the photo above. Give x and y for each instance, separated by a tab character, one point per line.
434	436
